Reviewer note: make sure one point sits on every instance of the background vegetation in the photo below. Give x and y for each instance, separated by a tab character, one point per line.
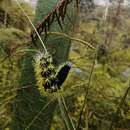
96	93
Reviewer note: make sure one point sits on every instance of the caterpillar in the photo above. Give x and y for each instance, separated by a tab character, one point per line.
48	78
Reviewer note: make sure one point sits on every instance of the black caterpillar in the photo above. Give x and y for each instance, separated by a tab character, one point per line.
52	80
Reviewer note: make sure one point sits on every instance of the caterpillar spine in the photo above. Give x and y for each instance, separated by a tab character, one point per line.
48	79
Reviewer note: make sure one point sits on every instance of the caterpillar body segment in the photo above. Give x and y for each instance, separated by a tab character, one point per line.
62	74
48	78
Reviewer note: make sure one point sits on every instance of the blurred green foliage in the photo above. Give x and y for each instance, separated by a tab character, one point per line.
25	116
13	37
110	78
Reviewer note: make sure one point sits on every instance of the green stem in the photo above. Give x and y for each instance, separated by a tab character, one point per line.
72	38
120	106
86	94
65	114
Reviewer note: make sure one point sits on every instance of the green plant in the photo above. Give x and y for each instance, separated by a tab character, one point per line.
21	109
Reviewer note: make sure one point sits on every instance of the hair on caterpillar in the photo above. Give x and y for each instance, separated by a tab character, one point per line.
44	69
48	79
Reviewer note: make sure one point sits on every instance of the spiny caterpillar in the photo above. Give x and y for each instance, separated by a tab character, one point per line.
48	78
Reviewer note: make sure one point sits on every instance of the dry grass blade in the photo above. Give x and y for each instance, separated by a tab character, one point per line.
36	117
64	111
86	94
120	106
35	30
72	38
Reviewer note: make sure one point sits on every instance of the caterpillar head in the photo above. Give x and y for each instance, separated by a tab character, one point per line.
62	74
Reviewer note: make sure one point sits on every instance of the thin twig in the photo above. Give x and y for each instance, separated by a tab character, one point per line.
15	89
63	101
120	106
12	51
32	25
72	38
87	90
8	99
37	116
58	14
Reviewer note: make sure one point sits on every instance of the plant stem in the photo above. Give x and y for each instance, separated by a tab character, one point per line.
26	15
87	90
120	106
37	116
65	114
72	38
